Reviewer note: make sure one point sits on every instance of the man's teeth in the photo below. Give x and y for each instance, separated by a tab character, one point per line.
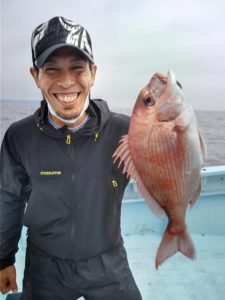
67	98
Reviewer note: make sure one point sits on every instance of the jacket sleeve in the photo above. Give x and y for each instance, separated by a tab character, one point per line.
14	193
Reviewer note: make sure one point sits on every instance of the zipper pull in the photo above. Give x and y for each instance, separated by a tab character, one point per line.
68	139
114	183
38	125
96	136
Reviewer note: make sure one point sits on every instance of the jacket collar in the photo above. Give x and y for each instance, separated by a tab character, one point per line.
98	115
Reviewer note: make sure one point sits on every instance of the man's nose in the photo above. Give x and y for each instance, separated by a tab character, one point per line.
66	80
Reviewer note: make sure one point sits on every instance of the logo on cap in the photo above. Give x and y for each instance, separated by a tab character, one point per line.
59	32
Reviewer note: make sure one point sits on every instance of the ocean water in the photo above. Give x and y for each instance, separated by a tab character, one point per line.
211	124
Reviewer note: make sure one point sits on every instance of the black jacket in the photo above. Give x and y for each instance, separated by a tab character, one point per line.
72	189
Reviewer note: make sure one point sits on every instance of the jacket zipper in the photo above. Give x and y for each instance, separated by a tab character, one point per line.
71	161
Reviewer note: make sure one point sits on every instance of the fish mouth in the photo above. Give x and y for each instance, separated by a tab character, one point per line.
163	78
169	79
173	107
67	98
157	84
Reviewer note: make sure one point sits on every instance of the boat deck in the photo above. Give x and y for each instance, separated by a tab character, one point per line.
178	278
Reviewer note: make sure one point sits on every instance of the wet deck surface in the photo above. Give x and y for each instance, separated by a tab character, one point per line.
178	278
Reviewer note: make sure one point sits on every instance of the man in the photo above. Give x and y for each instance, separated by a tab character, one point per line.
59	180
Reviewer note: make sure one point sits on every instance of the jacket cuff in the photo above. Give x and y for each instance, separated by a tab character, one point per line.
8	261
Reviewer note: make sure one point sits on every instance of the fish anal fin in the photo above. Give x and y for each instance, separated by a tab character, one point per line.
123	154
193	200
171	244
151	202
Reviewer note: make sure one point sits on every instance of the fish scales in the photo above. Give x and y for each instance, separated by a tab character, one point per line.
157	158
163	152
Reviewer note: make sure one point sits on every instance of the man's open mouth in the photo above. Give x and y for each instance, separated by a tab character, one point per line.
67	98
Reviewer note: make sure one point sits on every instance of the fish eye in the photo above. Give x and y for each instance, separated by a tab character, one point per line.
148	101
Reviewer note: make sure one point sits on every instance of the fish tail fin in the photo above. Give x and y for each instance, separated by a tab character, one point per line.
172	243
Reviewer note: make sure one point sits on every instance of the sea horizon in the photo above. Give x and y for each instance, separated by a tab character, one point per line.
37	101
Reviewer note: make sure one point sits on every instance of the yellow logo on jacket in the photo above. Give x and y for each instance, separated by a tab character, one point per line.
50	173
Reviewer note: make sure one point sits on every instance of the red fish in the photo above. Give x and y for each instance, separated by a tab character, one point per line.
163	152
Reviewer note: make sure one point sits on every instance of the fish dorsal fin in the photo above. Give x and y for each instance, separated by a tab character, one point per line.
124	155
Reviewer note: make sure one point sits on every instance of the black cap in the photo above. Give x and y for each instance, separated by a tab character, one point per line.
56	33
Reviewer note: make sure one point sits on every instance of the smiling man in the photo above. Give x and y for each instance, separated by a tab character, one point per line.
58	179
65	80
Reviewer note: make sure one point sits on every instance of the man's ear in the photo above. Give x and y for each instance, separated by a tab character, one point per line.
93	73
34	74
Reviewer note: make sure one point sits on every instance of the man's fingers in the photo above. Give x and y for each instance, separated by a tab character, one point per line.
8	280
12	279
8	285
5	288
13	285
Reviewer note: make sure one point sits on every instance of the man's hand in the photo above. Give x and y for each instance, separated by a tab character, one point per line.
8	280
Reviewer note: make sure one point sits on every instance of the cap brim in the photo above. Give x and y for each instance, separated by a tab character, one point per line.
40	61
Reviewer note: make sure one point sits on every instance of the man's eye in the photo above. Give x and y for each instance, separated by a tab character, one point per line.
77	68
51	70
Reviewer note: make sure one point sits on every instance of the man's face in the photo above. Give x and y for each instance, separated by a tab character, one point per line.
65	81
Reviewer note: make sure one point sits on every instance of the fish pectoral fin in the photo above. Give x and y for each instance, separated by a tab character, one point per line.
171	244
183	121
124	155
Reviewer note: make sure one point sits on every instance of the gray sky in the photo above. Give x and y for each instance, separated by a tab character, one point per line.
131	41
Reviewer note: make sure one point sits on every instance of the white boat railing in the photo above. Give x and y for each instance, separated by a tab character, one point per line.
213	183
